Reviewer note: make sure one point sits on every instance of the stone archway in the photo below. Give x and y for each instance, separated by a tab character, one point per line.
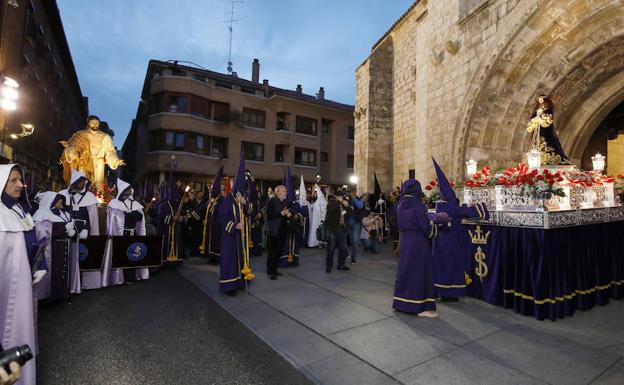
572	50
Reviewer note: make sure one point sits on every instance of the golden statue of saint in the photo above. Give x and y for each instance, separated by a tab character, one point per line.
87	151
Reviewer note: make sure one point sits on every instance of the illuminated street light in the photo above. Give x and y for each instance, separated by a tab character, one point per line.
13	136
353	179
8	105
9	94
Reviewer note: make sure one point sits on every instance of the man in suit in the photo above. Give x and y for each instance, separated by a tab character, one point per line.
276	215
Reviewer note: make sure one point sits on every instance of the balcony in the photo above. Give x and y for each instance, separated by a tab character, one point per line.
190	162
190	122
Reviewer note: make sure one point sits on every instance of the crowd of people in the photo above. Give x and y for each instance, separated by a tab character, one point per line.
40	239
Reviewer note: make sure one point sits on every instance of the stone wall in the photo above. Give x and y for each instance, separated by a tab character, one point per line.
465	76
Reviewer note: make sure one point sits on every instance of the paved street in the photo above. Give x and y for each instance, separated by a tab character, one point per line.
336	328
339	328
163	331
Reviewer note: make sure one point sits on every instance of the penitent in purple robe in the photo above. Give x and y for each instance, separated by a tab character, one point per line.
413	288
232	245
294	239
450	265
168	228
211	231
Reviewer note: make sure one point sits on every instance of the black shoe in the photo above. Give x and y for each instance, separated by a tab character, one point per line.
449	299
272	277
279	274
352	260
328	269
343	268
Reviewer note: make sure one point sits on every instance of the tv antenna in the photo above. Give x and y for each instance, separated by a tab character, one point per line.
230	27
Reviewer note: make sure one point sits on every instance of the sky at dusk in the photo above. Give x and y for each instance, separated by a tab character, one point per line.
309	42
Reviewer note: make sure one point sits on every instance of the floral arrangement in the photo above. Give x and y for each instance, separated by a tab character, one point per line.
481	178
541	185
432	192
104	194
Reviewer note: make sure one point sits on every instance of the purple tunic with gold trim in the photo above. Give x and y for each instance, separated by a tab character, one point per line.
413	289
232	247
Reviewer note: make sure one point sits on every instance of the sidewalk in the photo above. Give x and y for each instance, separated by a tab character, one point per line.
340	328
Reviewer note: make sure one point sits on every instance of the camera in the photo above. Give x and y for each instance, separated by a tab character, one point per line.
19	354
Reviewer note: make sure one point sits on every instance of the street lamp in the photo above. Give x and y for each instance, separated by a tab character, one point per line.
318	177
8	93
353	179
598	162
471	168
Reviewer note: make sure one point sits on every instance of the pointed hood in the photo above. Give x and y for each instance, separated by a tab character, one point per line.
8	218
302	193
47	200
125	205
76	177
290	192
446	190
215	191
228	187
122	187
239	183
377	192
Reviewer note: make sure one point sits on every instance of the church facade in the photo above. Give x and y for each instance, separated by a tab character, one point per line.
458	80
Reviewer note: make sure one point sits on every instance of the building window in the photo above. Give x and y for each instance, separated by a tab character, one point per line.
199	143
179	140
221	112
177	103
305	157
279	153
325	125
349	161
253	118
324	156
306	125
199	78
253	151
178	72
350	133
200	107
281	124
218	147
411	173
169	138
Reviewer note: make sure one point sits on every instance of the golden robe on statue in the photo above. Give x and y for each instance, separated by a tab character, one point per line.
87	151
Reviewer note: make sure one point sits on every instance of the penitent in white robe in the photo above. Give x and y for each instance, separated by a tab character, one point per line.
317	215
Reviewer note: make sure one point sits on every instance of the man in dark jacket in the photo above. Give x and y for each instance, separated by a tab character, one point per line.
276	213
336	219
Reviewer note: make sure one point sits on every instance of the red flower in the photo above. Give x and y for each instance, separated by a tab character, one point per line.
559	179
502	180
530	182
546	172
620	176
427	187
452	184
433	183
540	177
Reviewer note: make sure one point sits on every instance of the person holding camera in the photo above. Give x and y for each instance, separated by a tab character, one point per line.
10	379
371	232
337	217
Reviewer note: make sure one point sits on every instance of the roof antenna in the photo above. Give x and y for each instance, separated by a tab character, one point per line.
231	22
